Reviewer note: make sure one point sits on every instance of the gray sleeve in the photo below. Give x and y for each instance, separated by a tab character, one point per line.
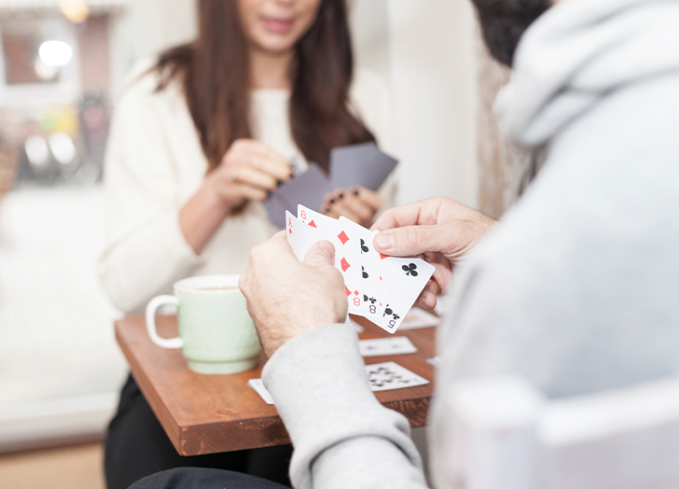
342	436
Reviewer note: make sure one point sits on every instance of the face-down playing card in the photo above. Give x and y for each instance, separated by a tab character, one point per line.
360	164
308	188
341	237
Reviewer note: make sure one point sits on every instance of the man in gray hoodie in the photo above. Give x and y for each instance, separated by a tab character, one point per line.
575	290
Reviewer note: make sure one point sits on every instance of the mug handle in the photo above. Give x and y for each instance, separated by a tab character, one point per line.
151	309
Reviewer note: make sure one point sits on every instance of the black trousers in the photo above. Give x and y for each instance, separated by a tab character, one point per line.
137	447
194	478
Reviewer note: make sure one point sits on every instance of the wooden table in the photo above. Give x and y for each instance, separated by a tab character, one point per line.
221	413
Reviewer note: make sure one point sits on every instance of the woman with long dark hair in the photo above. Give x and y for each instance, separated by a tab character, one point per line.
199	138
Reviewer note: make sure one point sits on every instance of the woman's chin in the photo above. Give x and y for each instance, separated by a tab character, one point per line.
276	45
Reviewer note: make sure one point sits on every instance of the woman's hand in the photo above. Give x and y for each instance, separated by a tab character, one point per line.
248	171
440	229
358	204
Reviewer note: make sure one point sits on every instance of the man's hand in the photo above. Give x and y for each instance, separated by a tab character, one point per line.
286	297
440	229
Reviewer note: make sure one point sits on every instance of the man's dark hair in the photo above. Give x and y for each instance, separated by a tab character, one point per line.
503	22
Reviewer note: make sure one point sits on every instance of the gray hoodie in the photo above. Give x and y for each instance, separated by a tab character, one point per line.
577	290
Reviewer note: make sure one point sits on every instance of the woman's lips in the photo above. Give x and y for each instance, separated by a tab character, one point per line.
278	25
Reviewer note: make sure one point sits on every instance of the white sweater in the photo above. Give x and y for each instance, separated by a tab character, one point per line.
155	164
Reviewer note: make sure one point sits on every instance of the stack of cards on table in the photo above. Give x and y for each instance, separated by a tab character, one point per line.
378	287
384	376
358	164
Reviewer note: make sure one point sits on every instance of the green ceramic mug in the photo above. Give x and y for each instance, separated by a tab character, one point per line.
216	333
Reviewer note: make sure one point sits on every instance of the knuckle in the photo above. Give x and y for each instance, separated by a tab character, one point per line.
411	235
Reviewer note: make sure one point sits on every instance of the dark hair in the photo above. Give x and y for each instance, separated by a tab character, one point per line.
503	22
215	75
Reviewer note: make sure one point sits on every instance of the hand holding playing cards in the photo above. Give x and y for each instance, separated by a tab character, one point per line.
358	204
439	228
286	297
248	171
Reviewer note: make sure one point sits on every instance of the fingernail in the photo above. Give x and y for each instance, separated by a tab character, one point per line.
332	201
327	248
341	196
385	240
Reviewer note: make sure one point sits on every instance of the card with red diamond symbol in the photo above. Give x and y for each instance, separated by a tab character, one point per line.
342	239
378	287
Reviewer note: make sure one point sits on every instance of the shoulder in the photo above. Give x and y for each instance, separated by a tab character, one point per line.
139	91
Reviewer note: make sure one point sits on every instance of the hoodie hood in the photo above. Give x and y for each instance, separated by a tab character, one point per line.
576	53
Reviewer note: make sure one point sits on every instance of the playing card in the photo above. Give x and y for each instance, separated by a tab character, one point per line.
308	189
417	318
275	208
300	236
434	361
342	238
360	164
409	283
258	386
390	375
398	345
363	253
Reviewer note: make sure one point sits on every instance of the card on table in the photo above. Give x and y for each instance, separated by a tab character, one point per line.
390	375
418	318
397	345
263	392
434	361
385	376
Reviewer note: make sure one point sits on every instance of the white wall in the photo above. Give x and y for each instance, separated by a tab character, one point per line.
432	71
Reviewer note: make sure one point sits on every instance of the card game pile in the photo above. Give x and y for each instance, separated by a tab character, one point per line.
358	164
378	287
384	376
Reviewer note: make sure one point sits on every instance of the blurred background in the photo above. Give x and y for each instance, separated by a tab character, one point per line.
62	64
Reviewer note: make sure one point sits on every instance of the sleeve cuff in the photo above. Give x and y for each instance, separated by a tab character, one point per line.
319	386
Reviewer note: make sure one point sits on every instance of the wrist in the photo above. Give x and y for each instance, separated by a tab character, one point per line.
218	196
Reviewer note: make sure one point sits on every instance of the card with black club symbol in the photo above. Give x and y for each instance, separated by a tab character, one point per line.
378	287
390	375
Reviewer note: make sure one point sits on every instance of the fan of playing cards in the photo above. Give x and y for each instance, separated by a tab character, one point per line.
380	288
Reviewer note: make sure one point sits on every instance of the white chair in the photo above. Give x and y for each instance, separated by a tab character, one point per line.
504	434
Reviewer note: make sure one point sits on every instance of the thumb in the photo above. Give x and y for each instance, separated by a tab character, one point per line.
411	240
321	253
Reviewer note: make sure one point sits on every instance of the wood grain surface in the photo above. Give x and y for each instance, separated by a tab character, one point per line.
219	413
